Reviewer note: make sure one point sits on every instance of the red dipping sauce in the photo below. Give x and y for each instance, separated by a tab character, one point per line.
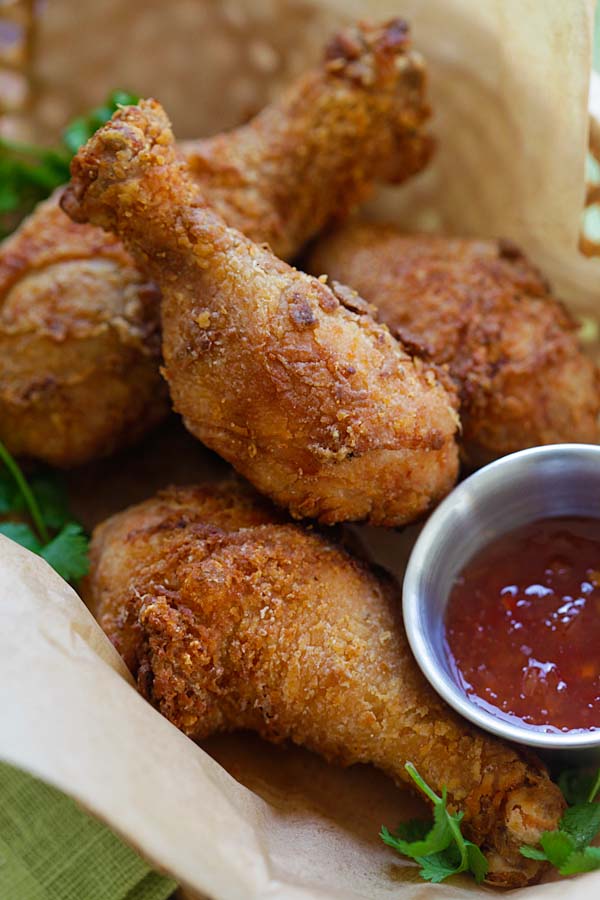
523	625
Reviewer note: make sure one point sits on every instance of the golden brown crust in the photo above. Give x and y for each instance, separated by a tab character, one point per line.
79	342
229	618
315	154
314	403
79	370
482	309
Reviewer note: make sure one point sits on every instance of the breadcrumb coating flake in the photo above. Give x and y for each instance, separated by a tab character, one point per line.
483	311
230	617
317	405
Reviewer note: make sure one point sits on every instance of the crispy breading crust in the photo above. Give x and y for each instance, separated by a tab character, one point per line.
79	342
77	384
314	155
314	403
484	311
230	618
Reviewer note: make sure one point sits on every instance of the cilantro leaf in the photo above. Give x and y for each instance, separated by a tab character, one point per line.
9	197
48	491
581	823
439	847
478	864
532	852
81	129
437	837
44	502
67	553
568	846
21	534
558	846
8	492
29	174
24	493
413	829
439	866
575	785
51	496
582	861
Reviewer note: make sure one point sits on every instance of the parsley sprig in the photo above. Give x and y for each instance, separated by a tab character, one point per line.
50	532
439	848
568	846
29	174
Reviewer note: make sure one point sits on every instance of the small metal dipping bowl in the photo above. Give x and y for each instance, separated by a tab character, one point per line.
556	480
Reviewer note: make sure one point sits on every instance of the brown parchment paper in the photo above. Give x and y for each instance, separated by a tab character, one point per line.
239	818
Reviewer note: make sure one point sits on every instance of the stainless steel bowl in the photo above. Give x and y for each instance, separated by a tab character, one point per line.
557	480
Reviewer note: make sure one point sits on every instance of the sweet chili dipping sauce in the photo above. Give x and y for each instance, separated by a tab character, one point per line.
523	625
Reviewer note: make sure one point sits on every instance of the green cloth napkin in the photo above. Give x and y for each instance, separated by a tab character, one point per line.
51	850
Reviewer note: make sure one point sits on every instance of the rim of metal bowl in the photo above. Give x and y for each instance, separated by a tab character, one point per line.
415	624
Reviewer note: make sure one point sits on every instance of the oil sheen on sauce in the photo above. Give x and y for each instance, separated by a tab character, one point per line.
523	625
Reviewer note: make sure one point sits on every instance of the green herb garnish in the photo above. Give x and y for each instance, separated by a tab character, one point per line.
441	850
50	532
29	174
568	847
438	847
80	130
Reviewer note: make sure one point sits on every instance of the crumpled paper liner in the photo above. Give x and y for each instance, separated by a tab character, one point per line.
509	80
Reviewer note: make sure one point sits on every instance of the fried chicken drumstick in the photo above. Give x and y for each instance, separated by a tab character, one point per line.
315	154
230	619
482	309
79	342
313	402
79	371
